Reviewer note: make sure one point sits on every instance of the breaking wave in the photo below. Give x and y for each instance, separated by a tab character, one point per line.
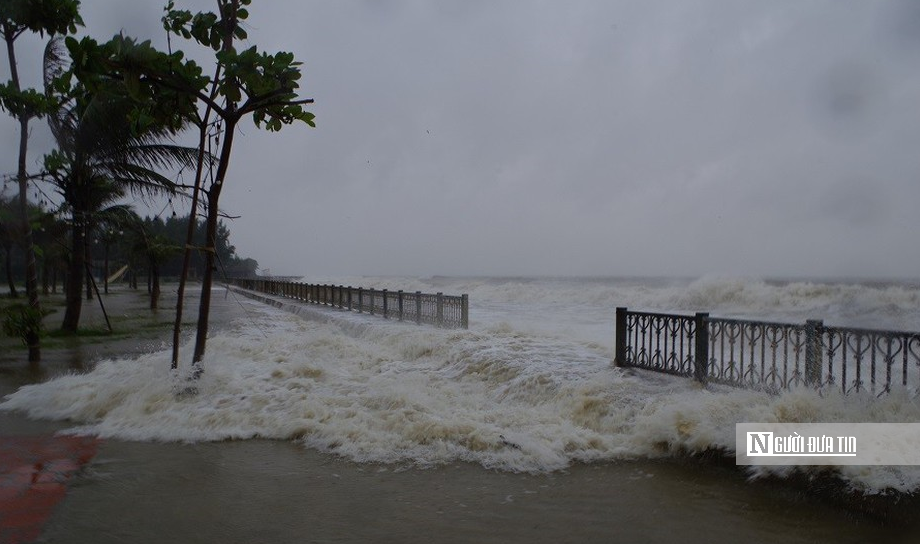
875	304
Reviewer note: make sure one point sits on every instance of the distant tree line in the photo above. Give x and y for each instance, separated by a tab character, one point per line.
122	239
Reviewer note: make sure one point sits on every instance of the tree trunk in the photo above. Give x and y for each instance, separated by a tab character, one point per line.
207	280
27	243
45	276
88	261
8	250
204	307
35	356
28	246
192	221
155	291
74	286
105	278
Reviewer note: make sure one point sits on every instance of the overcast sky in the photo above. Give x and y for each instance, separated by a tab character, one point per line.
515	137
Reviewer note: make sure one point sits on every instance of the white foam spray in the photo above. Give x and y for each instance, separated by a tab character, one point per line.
510	393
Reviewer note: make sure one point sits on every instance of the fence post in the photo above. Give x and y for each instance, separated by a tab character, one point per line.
619	359
399	303
813	330
349	298
701	345
360	299
440	306
418	307
385	312
465	311
372	301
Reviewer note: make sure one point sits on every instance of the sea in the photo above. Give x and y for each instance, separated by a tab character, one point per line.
530	386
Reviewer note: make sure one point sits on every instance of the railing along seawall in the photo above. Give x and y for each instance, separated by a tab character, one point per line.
768	355
440	310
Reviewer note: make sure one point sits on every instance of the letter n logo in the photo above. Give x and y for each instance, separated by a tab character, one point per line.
759	444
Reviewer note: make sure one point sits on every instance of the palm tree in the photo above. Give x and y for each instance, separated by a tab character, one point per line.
101	157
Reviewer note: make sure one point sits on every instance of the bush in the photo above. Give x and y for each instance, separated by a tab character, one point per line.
24	322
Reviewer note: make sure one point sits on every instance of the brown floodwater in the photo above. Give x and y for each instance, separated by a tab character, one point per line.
274	491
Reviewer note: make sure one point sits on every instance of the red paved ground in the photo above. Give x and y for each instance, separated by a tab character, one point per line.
34	471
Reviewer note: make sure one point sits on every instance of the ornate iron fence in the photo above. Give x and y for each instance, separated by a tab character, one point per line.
437	309
769	356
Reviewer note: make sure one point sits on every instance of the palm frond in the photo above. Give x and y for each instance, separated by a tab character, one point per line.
142	181
157	156
54	61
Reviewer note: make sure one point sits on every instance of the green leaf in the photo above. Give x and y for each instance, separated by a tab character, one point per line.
307	118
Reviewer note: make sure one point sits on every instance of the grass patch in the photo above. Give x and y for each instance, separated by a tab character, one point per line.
128	313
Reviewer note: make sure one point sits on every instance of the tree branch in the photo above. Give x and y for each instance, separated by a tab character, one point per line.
254	105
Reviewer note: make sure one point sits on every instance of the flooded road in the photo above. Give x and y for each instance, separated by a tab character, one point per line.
271	491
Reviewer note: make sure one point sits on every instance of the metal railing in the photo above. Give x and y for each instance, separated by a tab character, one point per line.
769	356
437	309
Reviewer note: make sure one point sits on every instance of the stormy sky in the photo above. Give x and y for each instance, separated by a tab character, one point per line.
586	137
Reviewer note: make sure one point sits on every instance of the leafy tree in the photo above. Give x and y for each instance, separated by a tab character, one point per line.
16	18
246	83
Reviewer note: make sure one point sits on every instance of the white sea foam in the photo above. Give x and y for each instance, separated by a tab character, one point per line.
890	305
503	394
